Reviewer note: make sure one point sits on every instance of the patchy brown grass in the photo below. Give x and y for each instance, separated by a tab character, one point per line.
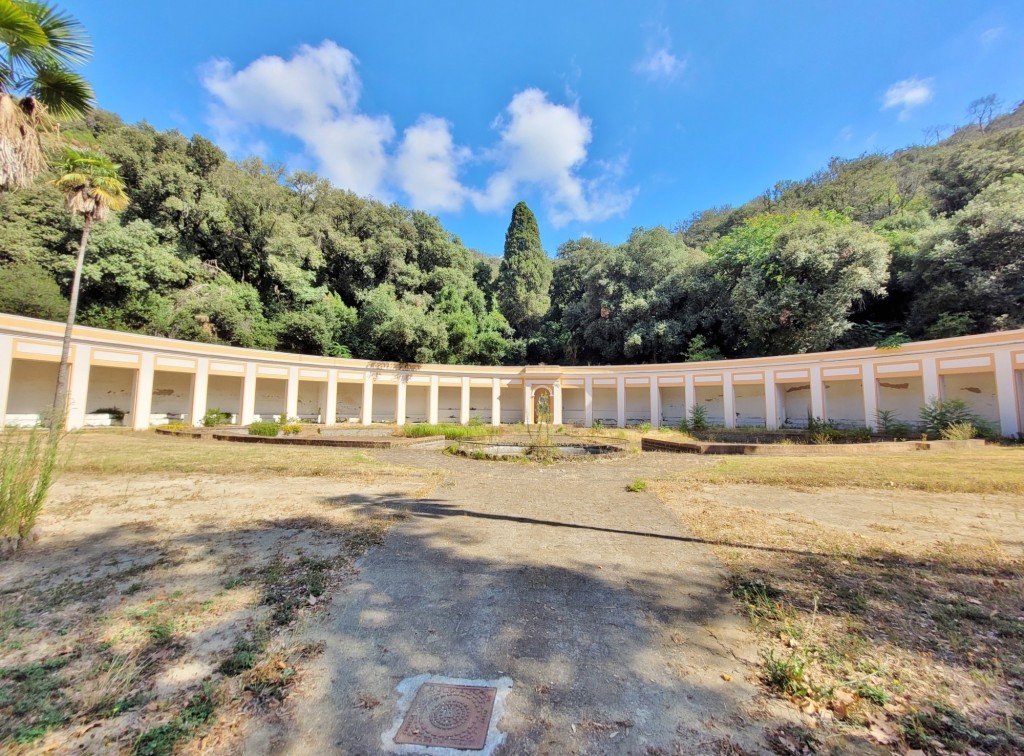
118	453
159	603
990	469
893	619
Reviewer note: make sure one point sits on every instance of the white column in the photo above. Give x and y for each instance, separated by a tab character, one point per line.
817	393
432	401
556	403
655	402
728	400
930	378
400	401
527	404
367	414
495	401
330	405
291	401
771	401
200	381
1006	395
869	384
464	402
690	399
6	363
249	394
143	404
620	402
588	401
78	393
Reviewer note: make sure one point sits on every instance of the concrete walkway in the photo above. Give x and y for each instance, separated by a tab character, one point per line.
615	626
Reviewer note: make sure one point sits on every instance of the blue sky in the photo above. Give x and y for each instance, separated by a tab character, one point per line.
602	116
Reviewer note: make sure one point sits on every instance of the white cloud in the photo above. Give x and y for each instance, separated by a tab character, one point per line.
659	63
989	36
908	94
313	96
427	166
544	145
845	134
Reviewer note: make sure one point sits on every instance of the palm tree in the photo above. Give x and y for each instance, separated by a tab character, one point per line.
38	46
92	187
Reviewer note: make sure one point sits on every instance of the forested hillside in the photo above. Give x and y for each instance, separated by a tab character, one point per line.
926	242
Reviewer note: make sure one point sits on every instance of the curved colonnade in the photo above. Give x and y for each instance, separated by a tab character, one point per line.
150	381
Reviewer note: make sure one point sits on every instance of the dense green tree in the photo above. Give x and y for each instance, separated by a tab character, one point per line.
525	273
28	289
969	272
794	279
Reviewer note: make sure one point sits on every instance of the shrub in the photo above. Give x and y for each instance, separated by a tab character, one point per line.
215	417
291	429
959	432
27	465
598	425
637	486
264	428
889	423
116	414
644	427
821	431
939	414
698	417
177	426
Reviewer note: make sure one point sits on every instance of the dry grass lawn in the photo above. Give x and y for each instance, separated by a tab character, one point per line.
155	610
888	591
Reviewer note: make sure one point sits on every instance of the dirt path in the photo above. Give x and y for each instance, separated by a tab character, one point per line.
614	625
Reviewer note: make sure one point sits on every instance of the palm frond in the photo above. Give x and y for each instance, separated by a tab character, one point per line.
64	93
91	183
18	28
66	39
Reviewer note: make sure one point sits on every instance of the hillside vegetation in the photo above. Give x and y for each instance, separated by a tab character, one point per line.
926	242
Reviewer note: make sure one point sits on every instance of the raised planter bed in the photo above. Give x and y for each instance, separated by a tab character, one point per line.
821	450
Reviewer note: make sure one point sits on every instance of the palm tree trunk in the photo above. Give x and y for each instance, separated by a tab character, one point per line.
60	399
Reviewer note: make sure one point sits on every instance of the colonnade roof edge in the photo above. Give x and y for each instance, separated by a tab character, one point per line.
20	326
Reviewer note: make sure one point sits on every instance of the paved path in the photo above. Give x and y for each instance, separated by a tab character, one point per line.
613	624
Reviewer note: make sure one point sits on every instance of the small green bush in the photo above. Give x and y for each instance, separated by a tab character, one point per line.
889	423
637	486
821	431
959	432
116	414
644	427
937	415
698	417
264	428
215	417
598	425
291	429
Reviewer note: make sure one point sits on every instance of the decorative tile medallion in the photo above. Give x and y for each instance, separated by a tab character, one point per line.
448	716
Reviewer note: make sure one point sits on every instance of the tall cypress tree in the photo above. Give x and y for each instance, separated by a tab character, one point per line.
524	277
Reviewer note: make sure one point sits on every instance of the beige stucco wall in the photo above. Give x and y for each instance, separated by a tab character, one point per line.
986	370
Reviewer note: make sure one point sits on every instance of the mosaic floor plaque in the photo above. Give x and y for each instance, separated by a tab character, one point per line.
448	716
